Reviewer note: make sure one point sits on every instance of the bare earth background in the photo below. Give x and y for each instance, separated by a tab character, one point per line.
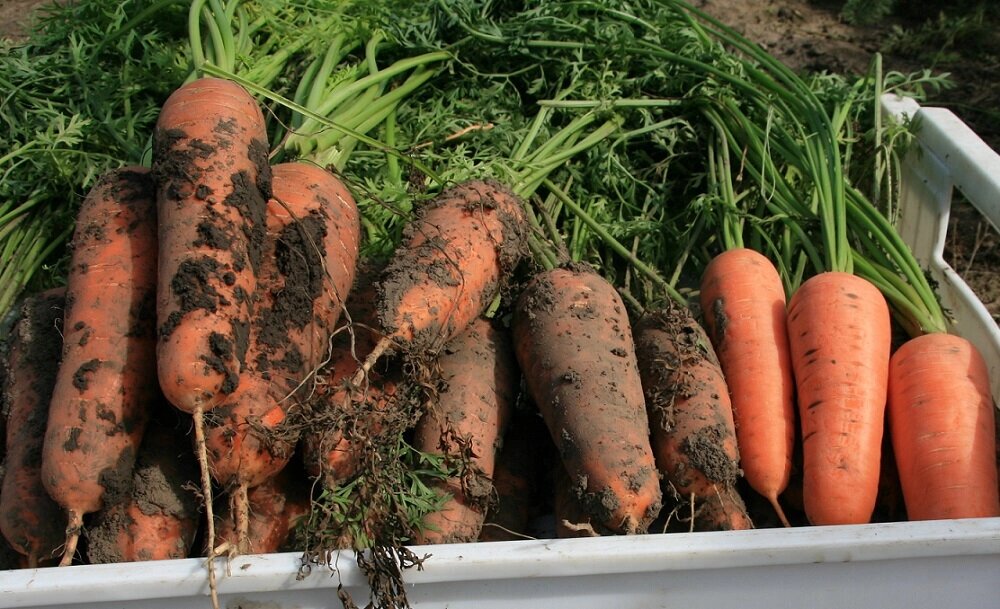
810	35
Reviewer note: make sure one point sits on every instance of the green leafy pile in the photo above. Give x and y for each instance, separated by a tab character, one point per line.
80	96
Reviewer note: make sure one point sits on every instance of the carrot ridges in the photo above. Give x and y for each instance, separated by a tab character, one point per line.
743	301
942	424
839	332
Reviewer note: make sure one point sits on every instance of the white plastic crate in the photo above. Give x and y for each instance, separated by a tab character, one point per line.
954	564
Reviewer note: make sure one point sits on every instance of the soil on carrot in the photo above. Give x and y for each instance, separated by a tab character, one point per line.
155	494
689	348
299	265
404	273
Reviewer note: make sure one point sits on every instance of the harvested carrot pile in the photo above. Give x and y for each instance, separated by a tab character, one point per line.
396	274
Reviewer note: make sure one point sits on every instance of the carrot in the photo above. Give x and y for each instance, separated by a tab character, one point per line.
839	334
573	342
571	517
33	524
313	233
159	519
344	416
465	423
107	377
213	180
517	478
456	256
211	166
310	257
276	508
691	418
743	303
942	425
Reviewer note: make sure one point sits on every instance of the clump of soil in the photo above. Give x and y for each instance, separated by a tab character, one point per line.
159	500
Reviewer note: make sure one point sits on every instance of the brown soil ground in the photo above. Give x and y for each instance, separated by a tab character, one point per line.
811	35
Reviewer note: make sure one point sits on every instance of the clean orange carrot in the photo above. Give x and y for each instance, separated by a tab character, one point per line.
107	377
941	418
691	417
839	333
573	342
310	258
33	524
743	303
159	518
276	508
213	181
465	423
456	256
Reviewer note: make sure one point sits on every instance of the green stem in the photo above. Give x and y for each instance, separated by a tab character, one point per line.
609	240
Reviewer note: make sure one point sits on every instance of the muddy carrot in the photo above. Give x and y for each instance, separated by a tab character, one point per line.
159	519
690	415
213	181
106	383
33	524
573	342
456	255
310	259
941	418
465	423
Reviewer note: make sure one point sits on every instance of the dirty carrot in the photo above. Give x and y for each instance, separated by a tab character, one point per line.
464	422
690	416
456	256
743	303
213	180
310	258
33	524
159	518
941	421
573	342
107	377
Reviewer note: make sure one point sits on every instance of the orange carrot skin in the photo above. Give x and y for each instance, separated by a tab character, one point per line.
455	257
33	524
210	162
839	332
743	302
942	425
573	342
300	298
160	517
276	508
691	418
469	416
106	383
